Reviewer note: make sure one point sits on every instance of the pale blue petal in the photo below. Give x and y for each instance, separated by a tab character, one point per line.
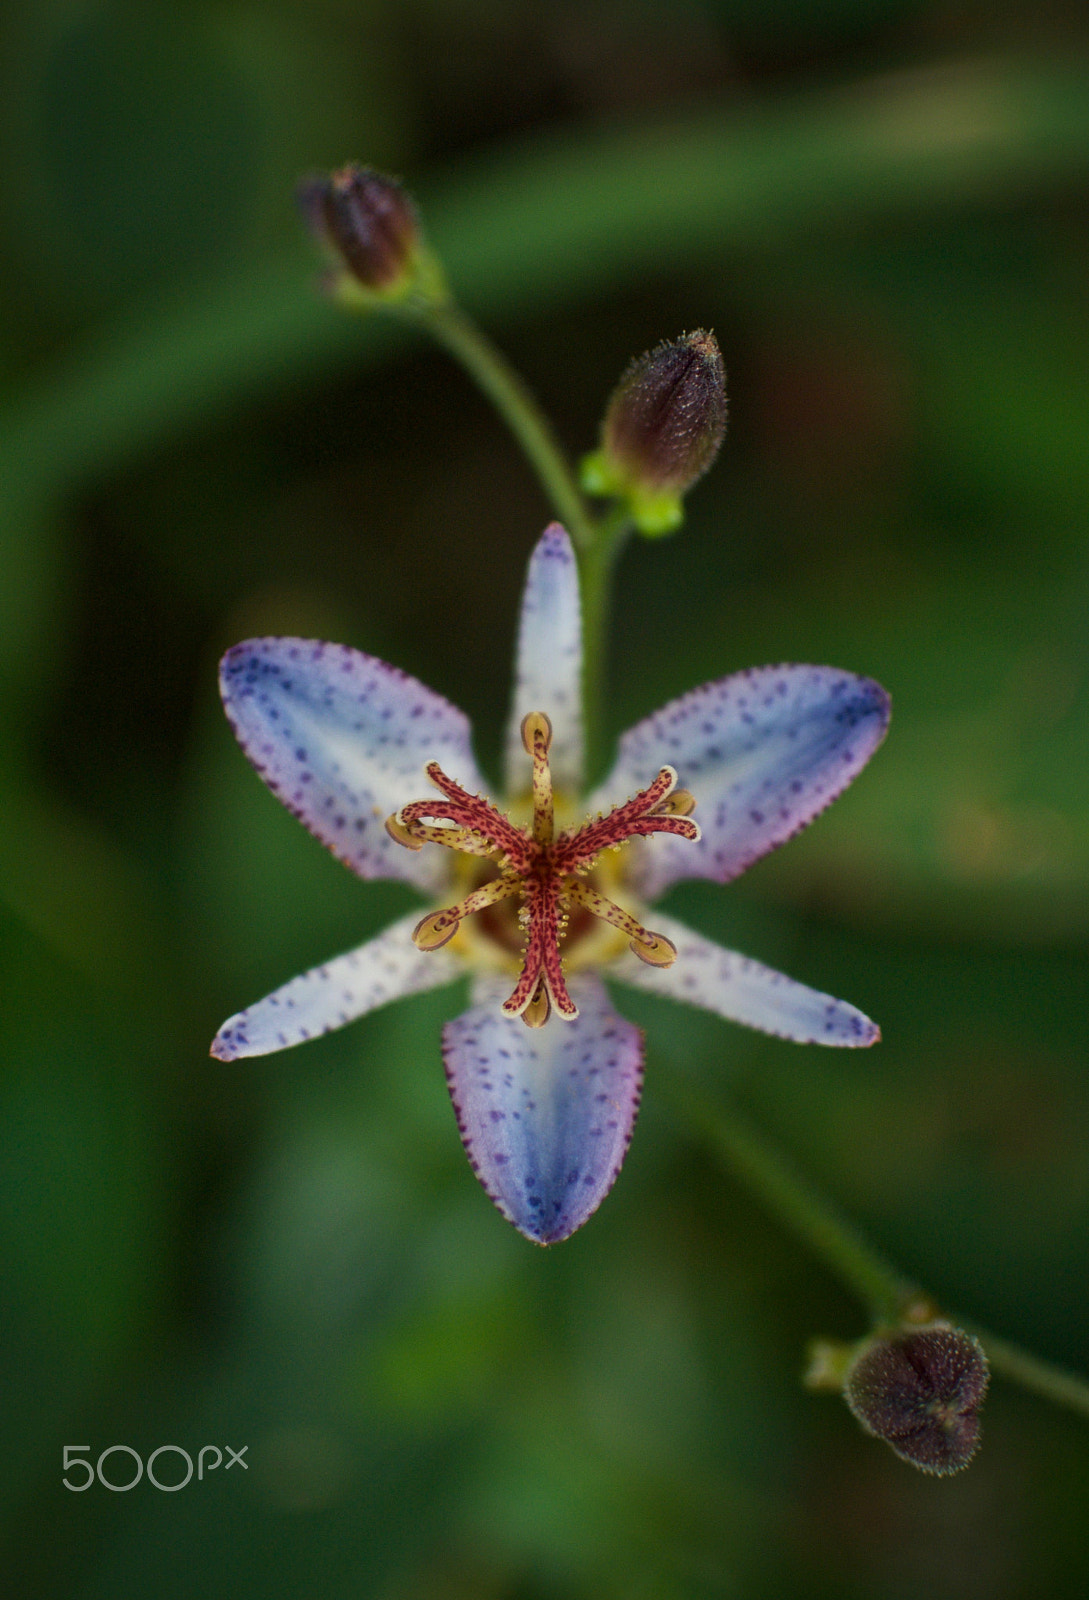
732	986
764	752
548	663
328	997
545	1114
342	740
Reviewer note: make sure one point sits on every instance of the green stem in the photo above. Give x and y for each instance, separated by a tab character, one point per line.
1057	1384
505	389
886	1294
597	543
797	1203
597	563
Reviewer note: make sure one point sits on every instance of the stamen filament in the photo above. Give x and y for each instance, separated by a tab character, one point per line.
416	834
654	948
439	927
536	739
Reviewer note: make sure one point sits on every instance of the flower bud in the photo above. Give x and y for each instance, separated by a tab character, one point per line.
369	225
921	1392
662	430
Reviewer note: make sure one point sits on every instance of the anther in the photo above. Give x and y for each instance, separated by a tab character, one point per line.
400	832
539	1009
435	930
536	733
681	803
655	949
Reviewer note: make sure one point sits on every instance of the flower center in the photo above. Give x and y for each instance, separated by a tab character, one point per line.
551	874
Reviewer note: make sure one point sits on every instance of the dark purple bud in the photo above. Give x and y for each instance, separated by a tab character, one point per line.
667	415
368	221
921	1392
662	430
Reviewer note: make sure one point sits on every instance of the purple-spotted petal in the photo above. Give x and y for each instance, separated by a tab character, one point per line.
545	1114
731	985
548	663
763	752
328	997
342	739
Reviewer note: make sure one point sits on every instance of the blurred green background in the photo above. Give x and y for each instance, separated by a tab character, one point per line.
881	208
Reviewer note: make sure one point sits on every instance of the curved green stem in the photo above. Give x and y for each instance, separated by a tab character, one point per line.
887	1295
597	541
1057	1384
767	1172
512	399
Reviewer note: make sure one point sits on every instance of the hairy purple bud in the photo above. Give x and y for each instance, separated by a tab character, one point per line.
921	1392
663	427
368	222
667	416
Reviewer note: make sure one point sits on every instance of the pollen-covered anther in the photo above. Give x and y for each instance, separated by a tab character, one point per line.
681	803
435	930
402	834
536	733
655	949
539	1009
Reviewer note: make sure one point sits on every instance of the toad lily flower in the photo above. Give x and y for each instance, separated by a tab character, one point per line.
544	1075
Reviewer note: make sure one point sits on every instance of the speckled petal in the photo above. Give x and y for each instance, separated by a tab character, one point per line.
328	997
744	991
545	1114
342	739
764	752
548	664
